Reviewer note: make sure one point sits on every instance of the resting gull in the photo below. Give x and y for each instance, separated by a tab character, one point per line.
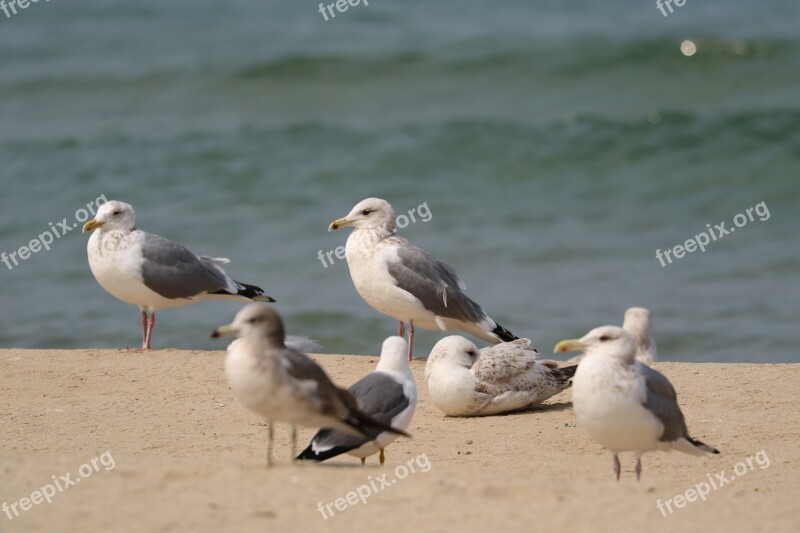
284	385
152	272
463	381
623	404
388	394
406	283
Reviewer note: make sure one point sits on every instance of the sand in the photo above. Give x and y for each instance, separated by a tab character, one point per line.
173	451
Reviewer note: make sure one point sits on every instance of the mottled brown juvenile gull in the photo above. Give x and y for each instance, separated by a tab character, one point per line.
623	404
284	385
152	272
405	282
388	394
463	381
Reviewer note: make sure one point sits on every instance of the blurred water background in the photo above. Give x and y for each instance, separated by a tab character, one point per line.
558	145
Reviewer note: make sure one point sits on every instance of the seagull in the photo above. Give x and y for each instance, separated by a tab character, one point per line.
388	394
465	381
623	404
637	323
405	282
282	384
152	272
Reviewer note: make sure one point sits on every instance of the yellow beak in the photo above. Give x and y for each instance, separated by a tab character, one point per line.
221	331
340	223
570	345
92	224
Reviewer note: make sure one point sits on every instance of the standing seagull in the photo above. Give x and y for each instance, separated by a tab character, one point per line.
388	395
281	384
405	282
152	272
624	405
463	381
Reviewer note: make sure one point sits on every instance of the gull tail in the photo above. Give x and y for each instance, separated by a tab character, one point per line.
361	422
503	334
702	446
562	375
252	292
315	452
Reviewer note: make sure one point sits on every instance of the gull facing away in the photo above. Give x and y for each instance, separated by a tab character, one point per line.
284	385
637	323
623	404
388	394
405	282
152	272
463	381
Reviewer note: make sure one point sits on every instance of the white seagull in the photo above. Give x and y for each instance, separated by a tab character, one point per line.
463	381
152	272
623	404
388	394
284	385
405	282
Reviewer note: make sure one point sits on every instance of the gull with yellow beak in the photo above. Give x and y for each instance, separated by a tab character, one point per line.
623	404
285	385
152	272
405	282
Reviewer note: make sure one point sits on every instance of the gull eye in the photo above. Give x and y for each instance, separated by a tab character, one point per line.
605	338
366	212
116	212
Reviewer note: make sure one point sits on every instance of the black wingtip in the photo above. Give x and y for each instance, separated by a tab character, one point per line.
703	446
503	334
568	371
254	293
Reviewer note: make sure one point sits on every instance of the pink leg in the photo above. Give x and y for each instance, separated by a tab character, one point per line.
616	466
144	328
401	329
638	469
410	340
150	325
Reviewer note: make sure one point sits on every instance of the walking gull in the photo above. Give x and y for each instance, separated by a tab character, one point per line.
406	283
152	272
388	394
284	385
463	381
637	323
624	404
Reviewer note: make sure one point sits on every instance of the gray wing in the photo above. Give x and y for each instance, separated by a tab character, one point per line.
377	395
434	283
663	403
173	271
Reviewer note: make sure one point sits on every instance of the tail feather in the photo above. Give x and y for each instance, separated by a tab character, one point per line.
249	291
362	422
503	334
702	446
310	455
562	375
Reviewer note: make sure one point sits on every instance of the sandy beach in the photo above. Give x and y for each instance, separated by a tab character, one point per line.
173	451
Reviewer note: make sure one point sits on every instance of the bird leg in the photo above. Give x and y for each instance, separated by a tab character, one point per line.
144	329
151	322
269	443
294	441
410	340
363	461
382	457
616	466
401	329
638	468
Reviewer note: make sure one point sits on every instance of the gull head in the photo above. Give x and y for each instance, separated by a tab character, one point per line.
608	341
112	215
394	354
255	321
637	323
372	213
452	351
